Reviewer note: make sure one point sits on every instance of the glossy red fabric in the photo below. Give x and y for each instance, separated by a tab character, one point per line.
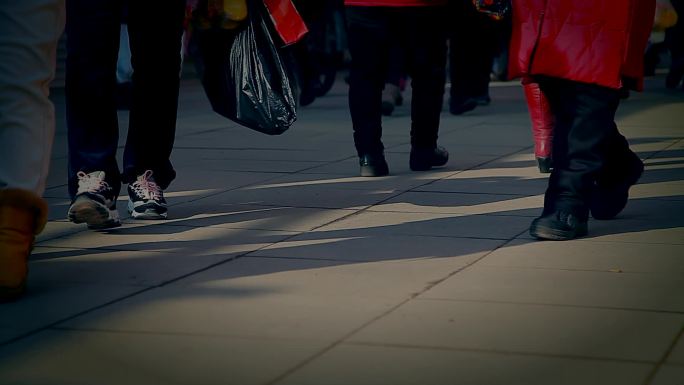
286	19
589	41
394	3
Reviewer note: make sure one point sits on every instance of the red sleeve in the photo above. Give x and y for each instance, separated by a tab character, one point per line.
394	3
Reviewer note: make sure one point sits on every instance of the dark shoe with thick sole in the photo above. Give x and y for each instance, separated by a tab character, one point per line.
373	165
545	165
609	198
423	159
560	225
387	108
483	100
459	108
674	76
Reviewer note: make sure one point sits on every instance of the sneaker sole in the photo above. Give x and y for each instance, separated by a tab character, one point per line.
150	213
94	214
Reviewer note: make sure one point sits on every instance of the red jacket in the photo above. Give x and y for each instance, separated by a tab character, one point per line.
394	3
589	41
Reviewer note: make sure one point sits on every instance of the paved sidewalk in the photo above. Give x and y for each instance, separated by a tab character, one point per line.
279	265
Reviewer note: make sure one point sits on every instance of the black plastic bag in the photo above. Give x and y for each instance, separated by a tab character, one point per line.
246	77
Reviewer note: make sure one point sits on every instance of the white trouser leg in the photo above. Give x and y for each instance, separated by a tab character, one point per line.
29	31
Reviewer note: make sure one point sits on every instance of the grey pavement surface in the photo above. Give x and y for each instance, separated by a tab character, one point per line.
280	265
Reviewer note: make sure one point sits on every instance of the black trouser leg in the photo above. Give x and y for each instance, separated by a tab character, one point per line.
368	35
584	131
472	45
156	59
396	63
426	42
421	30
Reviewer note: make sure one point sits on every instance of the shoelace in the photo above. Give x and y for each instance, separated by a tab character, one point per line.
146	188
90	183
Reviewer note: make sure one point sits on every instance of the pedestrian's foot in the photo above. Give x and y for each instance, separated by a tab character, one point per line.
483	100
391	96
146	199
609	197
95	202
545	164
423	159
373	165
459	107
559	225
674	76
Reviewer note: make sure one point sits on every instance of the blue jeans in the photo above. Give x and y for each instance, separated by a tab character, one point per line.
155	30
29	30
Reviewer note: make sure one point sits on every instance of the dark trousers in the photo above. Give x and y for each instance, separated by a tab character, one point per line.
674	36
587	144
473	42
155	30
420	30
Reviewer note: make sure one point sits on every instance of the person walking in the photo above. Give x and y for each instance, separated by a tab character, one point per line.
674	40
29	31
580	69
419	26
93	27
473	41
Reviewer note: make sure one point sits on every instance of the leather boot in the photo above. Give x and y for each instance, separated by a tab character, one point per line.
542	124
23	214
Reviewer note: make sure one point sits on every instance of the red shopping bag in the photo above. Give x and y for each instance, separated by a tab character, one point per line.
286	19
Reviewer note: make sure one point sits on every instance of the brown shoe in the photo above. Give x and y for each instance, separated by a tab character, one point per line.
23	214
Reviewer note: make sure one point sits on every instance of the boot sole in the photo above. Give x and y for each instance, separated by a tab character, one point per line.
598	213
372	171
548	233
544	164
425	166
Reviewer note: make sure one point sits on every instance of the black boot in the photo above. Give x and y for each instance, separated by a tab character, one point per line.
459	107
373	165
559	225
423	159
610	193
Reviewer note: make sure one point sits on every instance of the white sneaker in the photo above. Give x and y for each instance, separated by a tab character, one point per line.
146	199
95	202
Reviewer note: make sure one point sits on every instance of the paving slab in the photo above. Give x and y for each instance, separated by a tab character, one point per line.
280	265
203	214
589	255
462	203
49	303
433	224
578	332
262	298
312	196
669	375
360	246
400	365
642	291
677	354
86	357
